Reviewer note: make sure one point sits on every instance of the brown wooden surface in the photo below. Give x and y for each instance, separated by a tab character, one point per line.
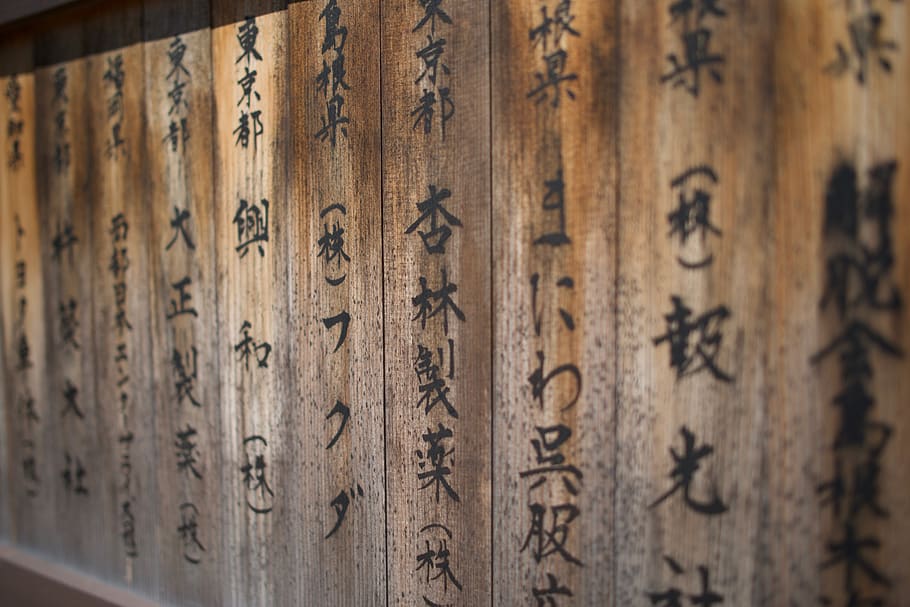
21	9
121	474
6	523
253	288
64	293
188	424
534	143
823	122
348	566
31	497
665	131
775	126
413	162
30	581
65	202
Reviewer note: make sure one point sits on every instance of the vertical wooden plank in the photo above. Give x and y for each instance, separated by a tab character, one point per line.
336	242
436	240
7	273
6	525
23	301
554	250
841	219
695	138
64	150
6	412
252	214
183	313
122	469
67	294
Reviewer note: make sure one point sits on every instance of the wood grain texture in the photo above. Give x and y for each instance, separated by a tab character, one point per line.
542	143
6	522
338	383
31	497
66	206
786	101
65	233
120	470
252	287
824	122
667	129
417	161
186	356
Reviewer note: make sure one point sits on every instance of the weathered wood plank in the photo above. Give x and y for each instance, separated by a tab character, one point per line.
436	247
31	496
841	122
6	522
120	468
67	297
64	152
554	189
183	312
336	298
252	216
694	142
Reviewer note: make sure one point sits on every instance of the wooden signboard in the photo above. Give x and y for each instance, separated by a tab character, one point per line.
427	302
251	217
554	207
183	307
436	268
123	490
335	288
692	301
837	413
25	392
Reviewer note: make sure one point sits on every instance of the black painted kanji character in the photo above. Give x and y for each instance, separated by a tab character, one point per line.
689	360
186	451
432	462
431	209
442	297
548	542
683	473
550	460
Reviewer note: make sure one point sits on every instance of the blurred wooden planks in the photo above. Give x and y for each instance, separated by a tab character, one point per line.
31	497
841	153
120	468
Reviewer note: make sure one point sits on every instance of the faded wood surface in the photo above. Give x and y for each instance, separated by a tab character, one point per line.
119	475
826	123
184	315
31	500
334	187
554	248
437	302
703	253
6	522
693	302
63	146
67	300
251	216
